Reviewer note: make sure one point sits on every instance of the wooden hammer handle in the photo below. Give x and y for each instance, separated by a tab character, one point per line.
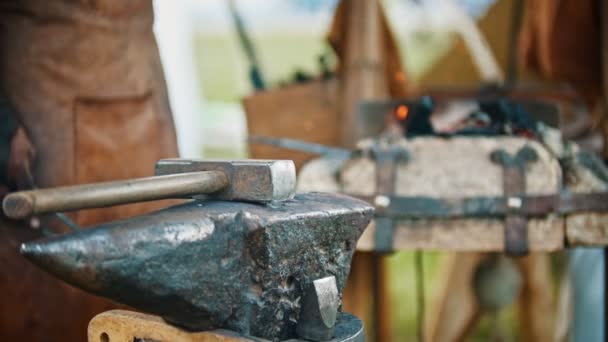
128	326
22	204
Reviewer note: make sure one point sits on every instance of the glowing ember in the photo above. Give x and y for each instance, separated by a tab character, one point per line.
401	112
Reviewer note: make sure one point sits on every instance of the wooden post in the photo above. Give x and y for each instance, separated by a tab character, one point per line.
454	312
363	77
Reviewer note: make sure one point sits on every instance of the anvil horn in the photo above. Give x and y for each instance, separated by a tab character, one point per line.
214	264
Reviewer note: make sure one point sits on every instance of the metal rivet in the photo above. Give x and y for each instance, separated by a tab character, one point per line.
34	223
514	202
382	201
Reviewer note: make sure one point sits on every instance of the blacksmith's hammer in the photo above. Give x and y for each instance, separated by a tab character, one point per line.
243	180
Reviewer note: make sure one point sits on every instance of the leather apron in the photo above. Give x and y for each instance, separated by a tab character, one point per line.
85	79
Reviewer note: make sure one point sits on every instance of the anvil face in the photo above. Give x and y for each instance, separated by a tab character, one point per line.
212	264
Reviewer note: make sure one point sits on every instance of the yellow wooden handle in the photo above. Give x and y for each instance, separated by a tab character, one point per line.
22	204
129	326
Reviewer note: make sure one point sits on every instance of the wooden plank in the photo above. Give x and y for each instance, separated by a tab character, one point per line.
362	64
535	303
360	38
301	111
356	297
454	311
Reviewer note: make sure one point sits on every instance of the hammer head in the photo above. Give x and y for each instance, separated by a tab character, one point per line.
212	264
248	180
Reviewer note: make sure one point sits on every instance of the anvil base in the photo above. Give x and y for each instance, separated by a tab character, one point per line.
129	326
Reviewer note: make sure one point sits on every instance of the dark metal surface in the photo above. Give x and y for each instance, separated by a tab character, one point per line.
213	264
420	207
372	113
514	187
319	310
300	145
386	158
348	329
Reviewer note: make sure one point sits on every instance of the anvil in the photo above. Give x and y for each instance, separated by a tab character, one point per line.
214	264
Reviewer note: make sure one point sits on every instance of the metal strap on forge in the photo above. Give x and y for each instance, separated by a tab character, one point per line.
514	187
386	158
421	207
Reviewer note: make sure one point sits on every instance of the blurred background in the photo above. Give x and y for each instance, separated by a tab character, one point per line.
469	90
207	71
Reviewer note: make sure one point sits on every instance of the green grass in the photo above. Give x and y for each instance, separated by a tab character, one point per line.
404	295
223	67
402	282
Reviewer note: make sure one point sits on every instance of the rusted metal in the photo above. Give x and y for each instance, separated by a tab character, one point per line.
421	207
214	264
248	180
386	157
514	187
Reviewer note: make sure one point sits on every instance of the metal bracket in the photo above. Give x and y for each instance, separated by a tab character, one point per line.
386	156
320	302
514	187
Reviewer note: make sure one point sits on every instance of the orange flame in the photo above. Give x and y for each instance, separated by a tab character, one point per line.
401	112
